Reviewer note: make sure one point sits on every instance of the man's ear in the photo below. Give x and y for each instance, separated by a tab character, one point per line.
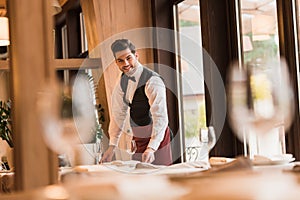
136	55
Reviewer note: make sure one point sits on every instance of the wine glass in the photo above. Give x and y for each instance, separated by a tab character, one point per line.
131	147
65	133
97	149
207	138
59	132
260	105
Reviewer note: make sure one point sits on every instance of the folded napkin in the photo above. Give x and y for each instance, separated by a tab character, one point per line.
195	164
179	169
272	160
240	163
143	165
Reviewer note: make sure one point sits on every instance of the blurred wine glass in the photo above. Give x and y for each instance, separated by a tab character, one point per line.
260	105
59	131
64	131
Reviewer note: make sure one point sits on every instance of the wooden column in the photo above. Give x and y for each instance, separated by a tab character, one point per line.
31	67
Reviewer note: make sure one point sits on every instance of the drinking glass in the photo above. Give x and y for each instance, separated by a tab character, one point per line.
64	132
131	147
207	138
97	149
260	105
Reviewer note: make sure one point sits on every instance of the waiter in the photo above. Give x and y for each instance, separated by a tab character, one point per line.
140	93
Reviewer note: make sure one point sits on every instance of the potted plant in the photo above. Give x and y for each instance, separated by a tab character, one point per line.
5	122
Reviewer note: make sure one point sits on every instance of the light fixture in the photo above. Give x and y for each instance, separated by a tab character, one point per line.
4	33
56	8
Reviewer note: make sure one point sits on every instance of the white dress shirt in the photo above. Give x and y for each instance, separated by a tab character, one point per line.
155	90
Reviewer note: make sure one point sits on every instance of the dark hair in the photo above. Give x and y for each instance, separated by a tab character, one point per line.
122	44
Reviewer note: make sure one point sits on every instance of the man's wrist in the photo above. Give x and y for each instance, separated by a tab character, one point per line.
150	149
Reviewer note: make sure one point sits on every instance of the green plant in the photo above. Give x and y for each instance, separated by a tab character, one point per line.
100	110
101	119
68	110
5	122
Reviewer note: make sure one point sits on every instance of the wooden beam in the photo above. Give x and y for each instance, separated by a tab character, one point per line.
77	63
62	64
31	67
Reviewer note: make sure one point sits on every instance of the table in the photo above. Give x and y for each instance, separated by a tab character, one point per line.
263	183
233	181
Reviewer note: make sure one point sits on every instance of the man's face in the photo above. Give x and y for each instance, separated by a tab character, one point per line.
126	60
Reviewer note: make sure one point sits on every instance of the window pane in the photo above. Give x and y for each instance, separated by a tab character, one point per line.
259	31
190	66
260	52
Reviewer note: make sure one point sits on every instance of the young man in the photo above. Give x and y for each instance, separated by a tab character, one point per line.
142	94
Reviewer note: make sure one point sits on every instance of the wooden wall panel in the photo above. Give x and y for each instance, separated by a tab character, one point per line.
107	20
93	41
4	85
116	19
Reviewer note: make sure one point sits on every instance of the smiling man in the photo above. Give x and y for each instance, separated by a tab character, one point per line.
140	93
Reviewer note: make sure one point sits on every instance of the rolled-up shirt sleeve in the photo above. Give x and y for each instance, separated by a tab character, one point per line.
119	112
156	92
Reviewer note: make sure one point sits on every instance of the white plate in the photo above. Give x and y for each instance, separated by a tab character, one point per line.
273	162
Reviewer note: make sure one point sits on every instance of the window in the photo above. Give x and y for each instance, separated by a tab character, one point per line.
191	79
260	49
259	30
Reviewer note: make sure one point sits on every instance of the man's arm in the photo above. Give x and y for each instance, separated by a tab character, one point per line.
156	92
119	112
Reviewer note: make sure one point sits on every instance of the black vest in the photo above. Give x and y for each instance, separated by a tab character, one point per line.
139	108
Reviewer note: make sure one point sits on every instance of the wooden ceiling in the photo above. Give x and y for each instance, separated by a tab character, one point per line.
3	6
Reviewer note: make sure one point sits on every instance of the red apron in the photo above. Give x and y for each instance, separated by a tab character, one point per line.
141	135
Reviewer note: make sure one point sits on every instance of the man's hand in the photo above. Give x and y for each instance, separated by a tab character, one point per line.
148	155
109	153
